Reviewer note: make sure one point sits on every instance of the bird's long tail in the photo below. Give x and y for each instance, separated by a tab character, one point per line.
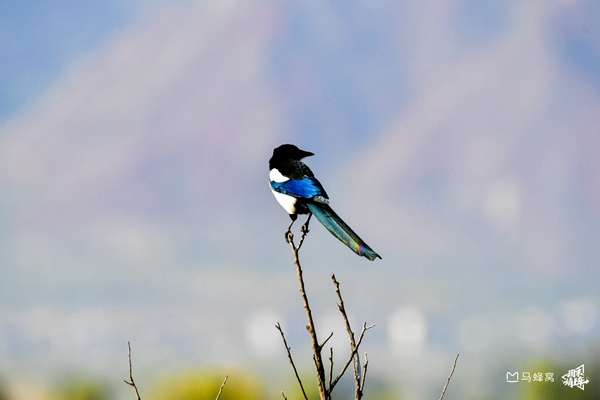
341	230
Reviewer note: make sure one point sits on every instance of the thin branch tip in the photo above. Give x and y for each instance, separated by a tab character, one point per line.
326	340
449	377
131	381
222	386
288	350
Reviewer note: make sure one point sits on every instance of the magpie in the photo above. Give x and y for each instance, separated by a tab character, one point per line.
299	192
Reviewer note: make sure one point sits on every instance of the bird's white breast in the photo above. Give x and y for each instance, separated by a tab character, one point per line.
287	202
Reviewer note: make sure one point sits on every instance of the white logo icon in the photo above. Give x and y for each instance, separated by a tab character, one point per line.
512	377
576	377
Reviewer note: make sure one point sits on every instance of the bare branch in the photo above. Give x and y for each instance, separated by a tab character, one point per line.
360	338
449	377
221	388
353	344
287	348
323	392
283	395
330	366
364	377
350	336
131	382
326	340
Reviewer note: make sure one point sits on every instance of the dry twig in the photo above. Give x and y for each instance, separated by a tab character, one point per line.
449	377
330	366
221	388
326	340
358	342
287	348
324	388
131	382
358	386
364	376
323	392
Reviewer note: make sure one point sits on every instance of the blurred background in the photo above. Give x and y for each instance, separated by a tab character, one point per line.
460	139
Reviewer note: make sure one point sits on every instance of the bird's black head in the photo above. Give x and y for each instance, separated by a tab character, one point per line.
288	152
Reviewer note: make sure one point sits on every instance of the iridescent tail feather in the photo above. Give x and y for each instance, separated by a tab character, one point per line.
341	230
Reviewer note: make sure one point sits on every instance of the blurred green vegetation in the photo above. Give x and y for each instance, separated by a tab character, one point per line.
375	389
204	384
309	382
82	389
3	390
248	384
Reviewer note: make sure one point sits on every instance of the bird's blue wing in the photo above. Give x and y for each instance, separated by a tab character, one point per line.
306	188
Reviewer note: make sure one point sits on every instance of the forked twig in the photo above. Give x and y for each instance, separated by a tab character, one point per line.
358	342
131	382
358	385
324	388
316	347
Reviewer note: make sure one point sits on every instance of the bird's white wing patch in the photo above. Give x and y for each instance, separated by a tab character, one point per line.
276	176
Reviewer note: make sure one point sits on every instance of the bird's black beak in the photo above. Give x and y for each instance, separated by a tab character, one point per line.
305	154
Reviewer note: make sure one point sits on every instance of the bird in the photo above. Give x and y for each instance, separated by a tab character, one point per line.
299	192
